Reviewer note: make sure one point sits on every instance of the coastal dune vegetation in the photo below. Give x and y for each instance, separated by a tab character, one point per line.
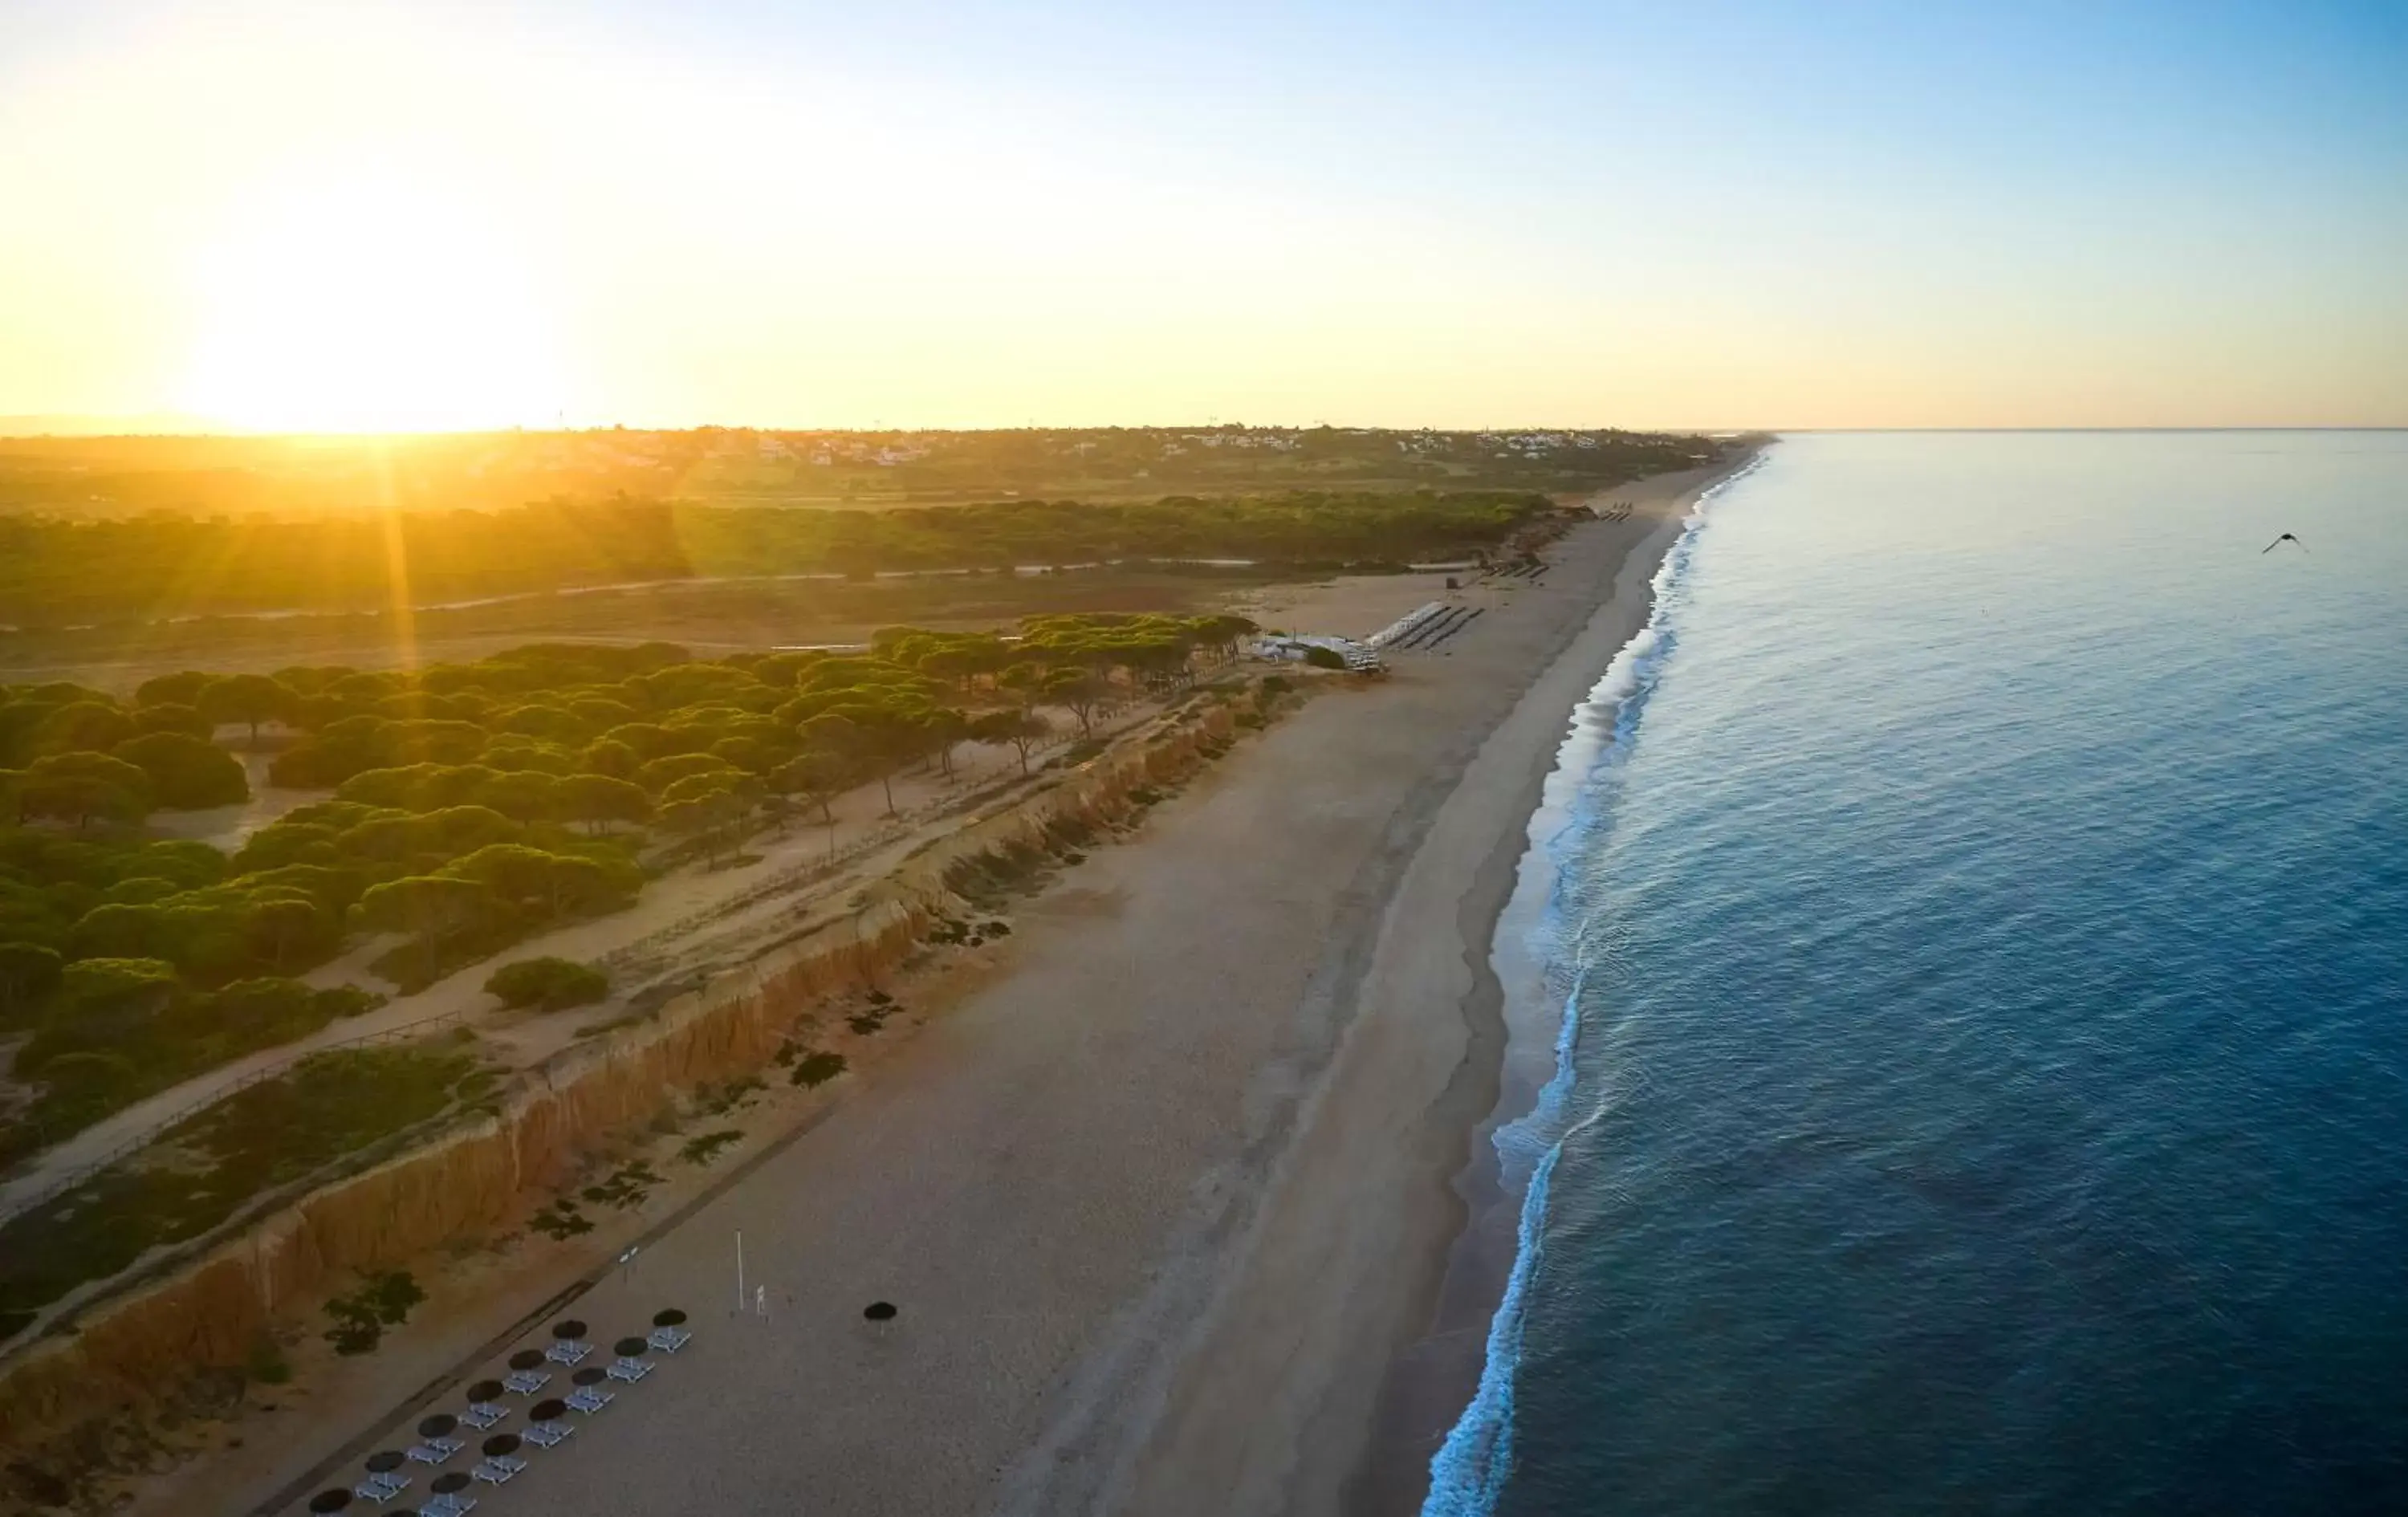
353	1167
59	571
461	808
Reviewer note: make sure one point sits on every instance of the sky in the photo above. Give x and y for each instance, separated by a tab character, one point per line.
372	216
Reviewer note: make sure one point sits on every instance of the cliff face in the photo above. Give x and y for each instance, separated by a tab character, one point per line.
481	1175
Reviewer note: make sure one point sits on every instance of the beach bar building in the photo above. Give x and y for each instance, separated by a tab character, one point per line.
1287	648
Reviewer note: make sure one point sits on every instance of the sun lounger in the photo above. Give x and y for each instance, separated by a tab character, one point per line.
668	1340
589	1400
499	1469
568	1350
525	1382
447	1506
380	1488
630	1369
483	1415
547	1435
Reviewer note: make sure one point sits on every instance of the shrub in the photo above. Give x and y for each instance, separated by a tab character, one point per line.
701	1151
626	1188
817	1068
553	984
382	1301
266	1363
560	1220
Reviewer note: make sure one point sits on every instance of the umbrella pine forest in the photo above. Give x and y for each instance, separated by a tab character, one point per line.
447	813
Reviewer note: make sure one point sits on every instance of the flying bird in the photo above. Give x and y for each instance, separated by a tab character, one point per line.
2278	542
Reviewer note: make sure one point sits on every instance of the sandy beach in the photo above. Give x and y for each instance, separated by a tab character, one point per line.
1165	1197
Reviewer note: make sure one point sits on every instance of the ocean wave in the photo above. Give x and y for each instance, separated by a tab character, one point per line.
1468	1474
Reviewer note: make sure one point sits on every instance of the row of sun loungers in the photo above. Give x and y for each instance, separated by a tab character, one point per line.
1404	625
1477	612
548	1426
1438	629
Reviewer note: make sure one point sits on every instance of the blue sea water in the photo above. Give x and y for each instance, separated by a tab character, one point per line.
1981	923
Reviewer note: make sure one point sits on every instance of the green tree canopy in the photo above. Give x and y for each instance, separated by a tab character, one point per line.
597	801
186	773
553	984
250	700
181	689
81	788
28	971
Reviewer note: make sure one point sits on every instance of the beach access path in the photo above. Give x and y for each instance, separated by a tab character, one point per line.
1161	1200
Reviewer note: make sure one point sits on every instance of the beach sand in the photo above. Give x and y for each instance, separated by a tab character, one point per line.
1163	1197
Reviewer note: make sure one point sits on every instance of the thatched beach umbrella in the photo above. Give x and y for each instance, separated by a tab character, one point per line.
630	1348
485	1389
438	1425
500	1444
385	1462
450	1484
569	1329
589	1375
526	1359
547	1411
330	1501
880	1311
671	1318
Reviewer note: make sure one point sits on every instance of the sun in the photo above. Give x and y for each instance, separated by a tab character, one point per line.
369	305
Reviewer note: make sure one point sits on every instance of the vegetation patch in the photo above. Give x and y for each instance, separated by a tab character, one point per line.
718	1100
553	984
990	879
383	1300
201	1171
703	1150
814	1069
470	805
561	1219
627	1187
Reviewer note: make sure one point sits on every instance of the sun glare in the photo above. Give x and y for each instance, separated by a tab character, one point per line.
366	307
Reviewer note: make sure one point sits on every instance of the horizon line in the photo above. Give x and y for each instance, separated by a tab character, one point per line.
107	429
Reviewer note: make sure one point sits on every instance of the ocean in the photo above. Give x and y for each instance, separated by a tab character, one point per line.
1973	922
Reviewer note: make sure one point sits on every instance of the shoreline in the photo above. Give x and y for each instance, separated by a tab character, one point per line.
1430	1378
1377	1378
1432	1382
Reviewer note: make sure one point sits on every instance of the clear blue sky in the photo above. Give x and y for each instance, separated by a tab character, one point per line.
1741	214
